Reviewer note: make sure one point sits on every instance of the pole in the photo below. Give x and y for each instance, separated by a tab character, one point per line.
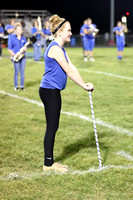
95	131
112	8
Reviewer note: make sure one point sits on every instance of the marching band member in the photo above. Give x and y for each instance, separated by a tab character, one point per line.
46	34
1	35
16	42
85	41
83	37
10	27
120	38
37	45
57	67
92	31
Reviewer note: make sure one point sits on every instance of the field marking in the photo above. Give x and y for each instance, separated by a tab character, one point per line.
107	74
91	71
125	155
80	116
30	60
101	123
15	175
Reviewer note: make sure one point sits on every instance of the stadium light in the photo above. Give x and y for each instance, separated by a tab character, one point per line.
127	13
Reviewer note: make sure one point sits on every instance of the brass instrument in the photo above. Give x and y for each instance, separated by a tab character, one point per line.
124	22
94	30
40	24
20	54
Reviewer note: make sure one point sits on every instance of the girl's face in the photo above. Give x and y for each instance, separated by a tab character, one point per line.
47	24
66	32
119	24
36	24
19	30
89	21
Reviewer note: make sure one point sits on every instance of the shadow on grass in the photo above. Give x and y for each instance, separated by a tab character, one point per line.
32	83
85	142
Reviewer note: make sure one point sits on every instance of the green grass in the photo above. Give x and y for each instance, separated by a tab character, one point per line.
22	127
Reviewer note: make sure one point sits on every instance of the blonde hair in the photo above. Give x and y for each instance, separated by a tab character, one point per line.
55	21
33	23
17	24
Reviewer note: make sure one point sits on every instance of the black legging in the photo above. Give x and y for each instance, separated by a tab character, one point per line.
51	99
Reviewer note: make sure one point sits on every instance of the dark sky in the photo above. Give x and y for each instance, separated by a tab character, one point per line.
77	10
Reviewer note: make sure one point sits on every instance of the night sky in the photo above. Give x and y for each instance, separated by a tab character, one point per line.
78	10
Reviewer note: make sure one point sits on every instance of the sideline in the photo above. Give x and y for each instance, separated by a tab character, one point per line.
80	116
91	71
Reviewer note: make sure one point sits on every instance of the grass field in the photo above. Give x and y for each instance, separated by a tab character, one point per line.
22	127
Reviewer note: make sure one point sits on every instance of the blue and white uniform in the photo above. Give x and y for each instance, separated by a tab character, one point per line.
37	44
120	39
9	26
82	34
54	76
1	30
85	38
15	45
47	33
82	30
91	38
54	80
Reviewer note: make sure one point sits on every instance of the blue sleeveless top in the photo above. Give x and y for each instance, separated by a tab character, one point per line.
54	76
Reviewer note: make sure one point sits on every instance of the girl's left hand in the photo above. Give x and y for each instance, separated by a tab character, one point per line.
89	87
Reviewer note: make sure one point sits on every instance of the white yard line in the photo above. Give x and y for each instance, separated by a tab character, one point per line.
107	74
80	116
125	155
15	175
101	123
91	71
31	60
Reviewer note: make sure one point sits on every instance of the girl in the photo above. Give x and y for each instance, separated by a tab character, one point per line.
10	27
90	33
83	38
46	34
37	45
15	43
57	67
120	38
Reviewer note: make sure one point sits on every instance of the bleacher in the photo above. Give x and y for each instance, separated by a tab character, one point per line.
26	15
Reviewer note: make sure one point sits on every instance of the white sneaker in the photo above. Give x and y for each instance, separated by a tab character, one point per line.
85	59
16	89
56	167
92	60
22	88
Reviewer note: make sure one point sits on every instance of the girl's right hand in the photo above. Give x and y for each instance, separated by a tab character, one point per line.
89	87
